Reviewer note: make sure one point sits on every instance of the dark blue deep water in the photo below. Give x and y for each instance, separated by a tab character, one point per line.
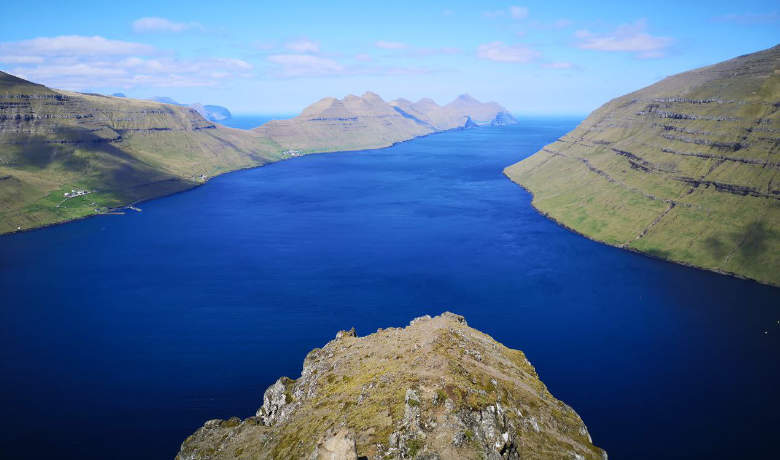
120	335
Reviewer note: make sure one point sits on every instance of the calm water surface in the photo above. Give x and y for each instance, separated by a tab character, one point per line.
120	335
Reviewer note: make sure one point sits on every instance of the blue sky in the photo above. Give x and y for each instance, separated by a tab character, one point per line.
533	57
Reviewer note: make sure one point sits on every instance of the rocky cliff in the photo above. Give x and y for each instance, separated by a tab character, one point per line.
435	389
685	170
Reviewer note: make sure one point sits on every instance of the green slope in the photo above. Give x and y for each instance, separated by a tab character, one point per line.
685	170
124	150
121	150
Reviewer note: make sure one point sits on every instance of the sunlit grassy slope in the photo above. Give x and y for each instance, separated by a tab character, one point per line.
121	150
685	169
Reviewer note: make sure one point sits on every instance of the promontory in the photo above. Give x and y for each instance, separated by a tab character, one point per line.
434	389
684	170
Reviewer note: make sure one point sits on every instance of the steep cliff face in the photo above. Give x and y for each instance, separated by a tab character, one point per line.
685	169
119	150
435	389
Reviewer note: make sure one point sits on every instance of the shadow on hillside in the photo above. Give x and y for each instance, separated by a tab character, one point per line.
40	152
755	238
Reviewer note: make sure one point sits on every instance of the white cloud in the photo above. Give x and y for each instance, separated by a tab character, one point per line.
80	63
311	66
626	38
562	23
303	45
387	45
73	45
156	24
21	59
501	52
518	12
305	65
514	12
447	12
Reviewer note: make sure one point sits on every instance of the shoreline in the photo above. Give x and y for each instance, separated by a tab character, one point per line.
196	185
635	251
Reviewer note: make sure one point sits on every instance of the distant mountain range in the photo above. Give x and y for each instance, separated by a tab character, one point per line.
687	169
367	121
215	113
116	150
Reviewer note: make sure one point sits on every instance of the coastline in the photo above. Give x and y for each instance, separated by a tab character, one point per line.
196	185
633	250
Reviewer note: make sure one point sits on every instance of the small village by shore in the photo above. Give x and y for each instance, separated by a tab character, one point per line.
74	193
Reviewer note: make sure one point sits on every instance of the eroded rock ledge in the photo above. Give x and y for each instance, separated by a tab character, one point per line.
434	389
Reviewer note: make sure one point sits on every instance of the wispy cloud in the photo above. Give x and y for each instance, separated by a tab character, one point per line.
514	12
304	65
77	63
73	45
501	52
157	25
630	38
303	45
388	45
518	12
749	18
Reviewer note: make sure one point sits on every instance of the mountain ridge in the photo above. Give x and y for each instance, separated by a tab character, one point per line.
368	121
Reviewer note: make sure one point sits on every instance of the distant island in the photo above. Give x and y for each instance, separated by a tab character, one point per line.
215	113
124	150
685	170
434	389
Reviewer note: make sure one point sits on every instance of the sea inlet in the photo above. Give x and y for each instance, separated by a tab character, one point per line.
121	335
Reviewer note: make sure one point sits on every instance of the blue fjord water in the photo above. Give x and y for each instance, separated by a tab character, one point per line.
120	335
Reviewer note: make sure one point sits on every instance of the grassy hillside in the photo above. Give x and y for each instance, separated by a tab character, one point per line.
685	169
124	150
434	389
120	150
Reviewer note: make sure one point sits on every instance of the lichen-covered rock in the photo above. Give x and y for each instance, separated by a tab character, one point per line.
435	389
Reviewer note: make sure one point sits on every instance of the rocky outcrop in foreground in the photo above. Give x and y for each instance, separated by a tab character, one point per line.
434	389
685	169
